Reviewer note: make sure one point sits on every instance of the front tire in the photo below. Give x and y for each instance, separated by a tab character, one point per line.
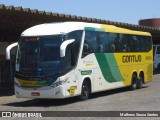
85	91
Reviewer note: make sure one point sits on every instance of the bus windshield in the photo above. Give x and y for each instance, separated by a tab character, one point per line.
39	56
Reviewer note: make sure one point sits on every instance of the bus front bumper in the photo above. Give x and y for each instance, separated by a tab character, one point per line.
49	93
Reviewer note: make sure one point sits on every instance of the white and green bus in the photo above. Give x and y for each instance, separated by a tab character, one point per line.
66	59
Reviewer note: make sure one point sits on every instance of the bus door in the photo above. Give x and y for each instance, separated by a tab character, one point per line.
69	67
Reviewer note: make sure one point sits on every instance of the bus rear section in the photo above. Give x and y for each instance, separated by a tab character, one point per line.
117	58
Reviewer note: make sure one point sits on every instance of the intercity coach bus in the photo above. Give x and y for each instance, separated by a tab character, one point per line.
66	59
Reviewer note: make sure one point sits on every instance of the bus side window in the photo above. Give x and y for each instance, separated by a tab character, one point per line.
100	48
87	47
112	48
100	40
124	48
75	47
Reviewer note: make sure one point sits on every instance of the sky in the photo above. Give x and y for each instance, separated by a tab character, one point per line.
128	11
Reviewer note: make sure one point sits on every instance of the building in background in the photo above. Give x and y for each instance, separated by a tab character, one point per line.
153	22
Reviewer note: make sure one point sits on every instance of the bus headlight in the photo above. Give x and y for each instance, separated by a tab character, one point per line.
57	84
60	82
17	84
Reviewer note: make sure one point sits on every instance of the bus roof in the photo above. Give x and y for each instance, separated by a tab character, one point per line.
65	27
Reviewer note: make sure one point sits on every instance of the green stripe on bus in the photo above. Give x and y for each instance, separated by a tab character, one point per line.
94	29
109	67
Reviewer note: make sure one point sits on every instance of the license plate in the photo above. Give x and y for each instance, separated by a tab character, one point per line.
35	94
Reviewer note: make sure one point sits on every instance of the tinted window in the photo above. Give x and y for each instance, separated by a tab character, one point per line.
72	51
100	42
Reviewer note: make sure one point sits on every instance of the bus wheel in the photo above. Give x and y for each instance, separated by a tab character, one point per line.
134	82
140	82
85	91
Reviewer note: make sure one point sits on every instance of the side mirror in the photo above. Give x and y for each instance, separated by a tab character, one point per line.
8	50
64	46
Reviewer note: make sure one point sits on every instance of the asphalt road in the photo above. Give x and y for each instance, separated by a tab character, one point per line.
145	99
